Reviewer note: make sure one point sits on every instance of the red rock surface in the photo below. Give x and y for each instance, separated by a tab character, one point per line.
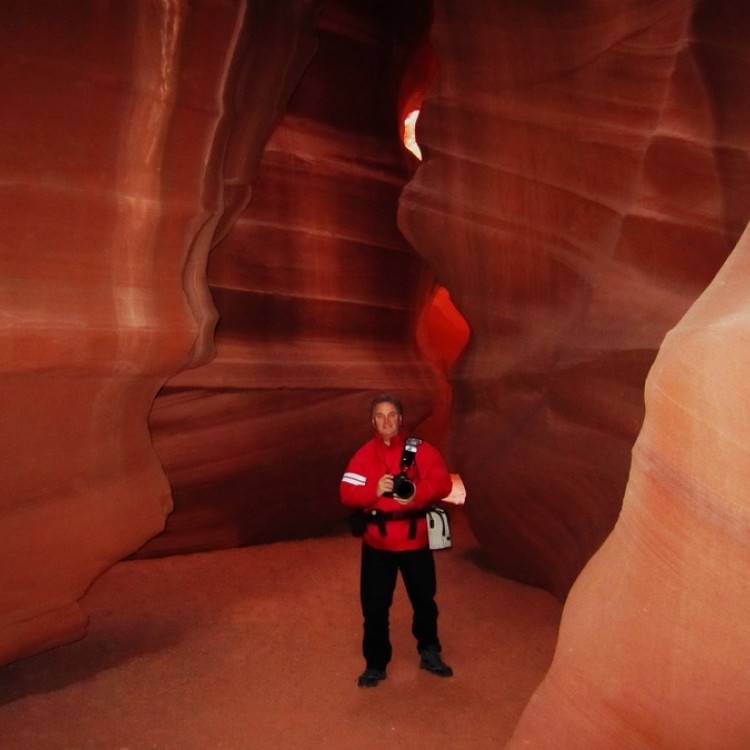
94	312
585	175
653	645
111	144
318	296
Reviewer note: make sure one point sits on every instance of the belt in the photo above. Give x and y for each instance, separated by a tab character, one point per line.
380	517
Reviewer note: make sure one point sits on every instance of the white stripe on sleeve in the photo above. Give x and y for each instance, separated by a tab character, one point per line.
356	479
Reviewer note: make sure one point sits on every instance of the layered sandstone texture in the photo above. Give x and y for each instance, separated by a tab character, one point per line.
585	175
319	297
653	646
171	164
113	141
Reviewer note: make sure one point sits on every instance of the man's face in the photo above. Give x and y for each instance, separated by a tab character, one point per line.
387	420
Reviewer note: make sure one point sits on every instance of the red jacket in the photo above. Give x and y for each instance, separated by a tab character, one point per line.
359	487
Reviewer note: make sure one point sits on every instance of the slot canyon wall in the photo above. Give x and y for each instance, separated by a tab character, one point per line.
318	296
134	138
600	184
653	646
214	249
586	175
114	144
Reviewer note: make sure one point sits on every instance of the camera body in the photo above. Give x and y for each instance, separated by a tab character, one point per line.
403	486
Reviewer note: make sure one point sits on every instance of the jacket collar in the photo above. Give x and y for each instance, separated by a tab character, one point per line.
397	441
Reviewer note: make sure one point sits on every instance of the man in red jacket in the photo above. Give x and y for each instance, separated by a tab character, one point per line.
395	537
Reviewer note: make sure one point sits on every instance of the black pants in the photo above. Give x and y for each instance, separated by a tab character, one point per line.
377	584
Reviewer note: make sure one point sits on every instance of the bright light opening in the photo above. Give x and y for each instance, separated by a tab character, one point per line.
410	134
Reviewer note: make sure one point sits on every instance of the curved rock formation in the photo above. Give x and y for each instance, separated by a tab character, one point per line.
112	142
319	297
653	644
135	135
585	176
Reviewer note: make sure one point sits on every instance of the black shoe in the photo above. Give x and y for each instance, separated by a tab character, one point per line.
371	677
432	662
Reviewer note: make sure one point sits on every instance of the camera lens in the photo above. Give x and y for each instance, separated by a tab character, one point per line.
403	487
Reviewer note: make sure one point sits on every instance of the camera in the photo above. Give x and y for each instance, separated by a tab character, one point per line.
403	487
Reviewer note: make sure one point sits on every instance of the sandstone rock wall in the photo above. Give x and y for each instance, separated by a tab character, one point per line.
319	297
132	142
585	177
112	144
653	643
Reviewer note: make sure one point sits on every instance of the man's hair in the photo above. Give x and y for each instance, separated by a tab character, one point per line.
386	398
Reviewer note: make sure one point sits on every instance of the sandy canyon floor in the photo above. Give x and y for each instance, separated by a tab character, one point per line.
260	648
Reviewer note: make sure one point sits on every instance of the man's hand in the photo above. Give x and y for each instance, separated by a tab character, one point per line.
385	484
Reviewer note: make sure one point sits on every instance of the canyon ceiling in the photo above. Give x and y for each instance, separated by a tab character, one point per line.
216	249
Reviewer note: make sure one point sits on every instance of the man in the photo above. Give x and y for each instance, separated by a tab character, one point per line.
395	539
